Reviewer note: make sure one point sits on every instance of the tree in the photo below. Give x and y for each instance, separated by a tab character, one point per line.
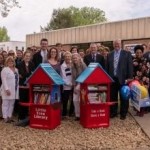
6	6
3	35
72	16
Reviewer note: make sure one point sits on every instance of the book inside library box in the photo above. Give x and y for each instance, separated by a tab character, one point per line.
97	93
46	94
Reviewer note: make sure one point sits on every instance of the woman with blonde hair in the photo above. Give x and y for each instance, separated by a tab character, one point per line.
66	74
78	67
11	53
9	88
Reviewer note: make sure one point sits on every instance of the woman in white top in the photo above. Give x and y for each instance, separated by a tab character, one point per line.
66	74
9	88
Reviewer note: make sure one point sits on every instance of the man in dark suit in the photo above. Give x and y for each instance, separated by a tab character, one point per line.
41	56
120	68
61	51
94	56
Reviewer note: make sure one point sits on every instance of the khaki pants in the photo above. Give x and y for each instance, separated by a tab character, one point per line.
76	101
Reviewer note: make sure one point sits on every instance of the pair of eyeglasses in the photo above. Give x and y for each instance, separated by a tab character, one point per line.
11	61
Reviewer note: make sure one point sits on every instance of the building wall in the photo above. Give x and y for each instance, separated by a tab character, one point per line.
125	30
12	45
138	41
132	43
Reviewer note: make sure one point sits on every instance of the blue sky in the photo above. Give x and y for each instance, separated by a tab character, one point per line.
36	13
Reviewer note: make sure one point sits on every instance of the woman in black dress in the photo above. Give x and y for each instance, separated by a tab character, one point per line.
25	69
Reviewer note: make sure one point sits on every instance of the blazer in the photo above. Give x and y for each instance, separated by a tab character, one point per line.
125	66
99	59
37	59
9	83
24	73
18	61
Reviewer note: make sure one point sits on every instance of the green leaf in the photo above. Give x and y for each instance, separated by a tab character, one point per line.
3	35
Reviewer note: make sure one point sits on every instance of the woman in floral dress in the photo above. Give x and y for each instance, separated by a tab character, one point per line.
141	70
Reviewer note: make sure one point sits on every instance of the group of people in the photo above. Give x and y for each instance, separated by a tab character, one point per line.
119	64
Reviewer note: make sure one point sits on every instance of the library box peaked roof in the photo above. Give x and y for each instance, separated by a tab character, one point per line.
45	74
93	74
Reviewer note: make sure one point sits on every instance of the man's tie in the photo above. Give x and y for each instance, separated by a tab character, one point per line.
93	58
27	68
44	57
116	59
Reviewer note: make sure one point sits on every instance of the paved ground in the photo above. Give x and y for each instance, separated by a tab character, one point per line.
144	121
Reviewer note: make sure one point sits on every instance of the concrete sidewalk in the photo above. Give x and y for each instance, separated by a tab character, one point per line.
144	121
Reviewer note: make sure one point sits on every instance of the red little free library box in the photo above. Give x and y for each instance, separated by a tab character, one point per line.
94	96
44	94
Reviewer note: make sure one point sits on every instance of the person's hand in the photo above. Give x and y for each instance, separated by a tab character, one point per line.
75	92
135	63
128	81
8	93
77	87
20	76
27	85
69	85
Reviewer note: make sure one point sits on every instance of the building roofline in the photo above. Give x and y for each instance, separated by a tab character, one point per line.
109	22
12	41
